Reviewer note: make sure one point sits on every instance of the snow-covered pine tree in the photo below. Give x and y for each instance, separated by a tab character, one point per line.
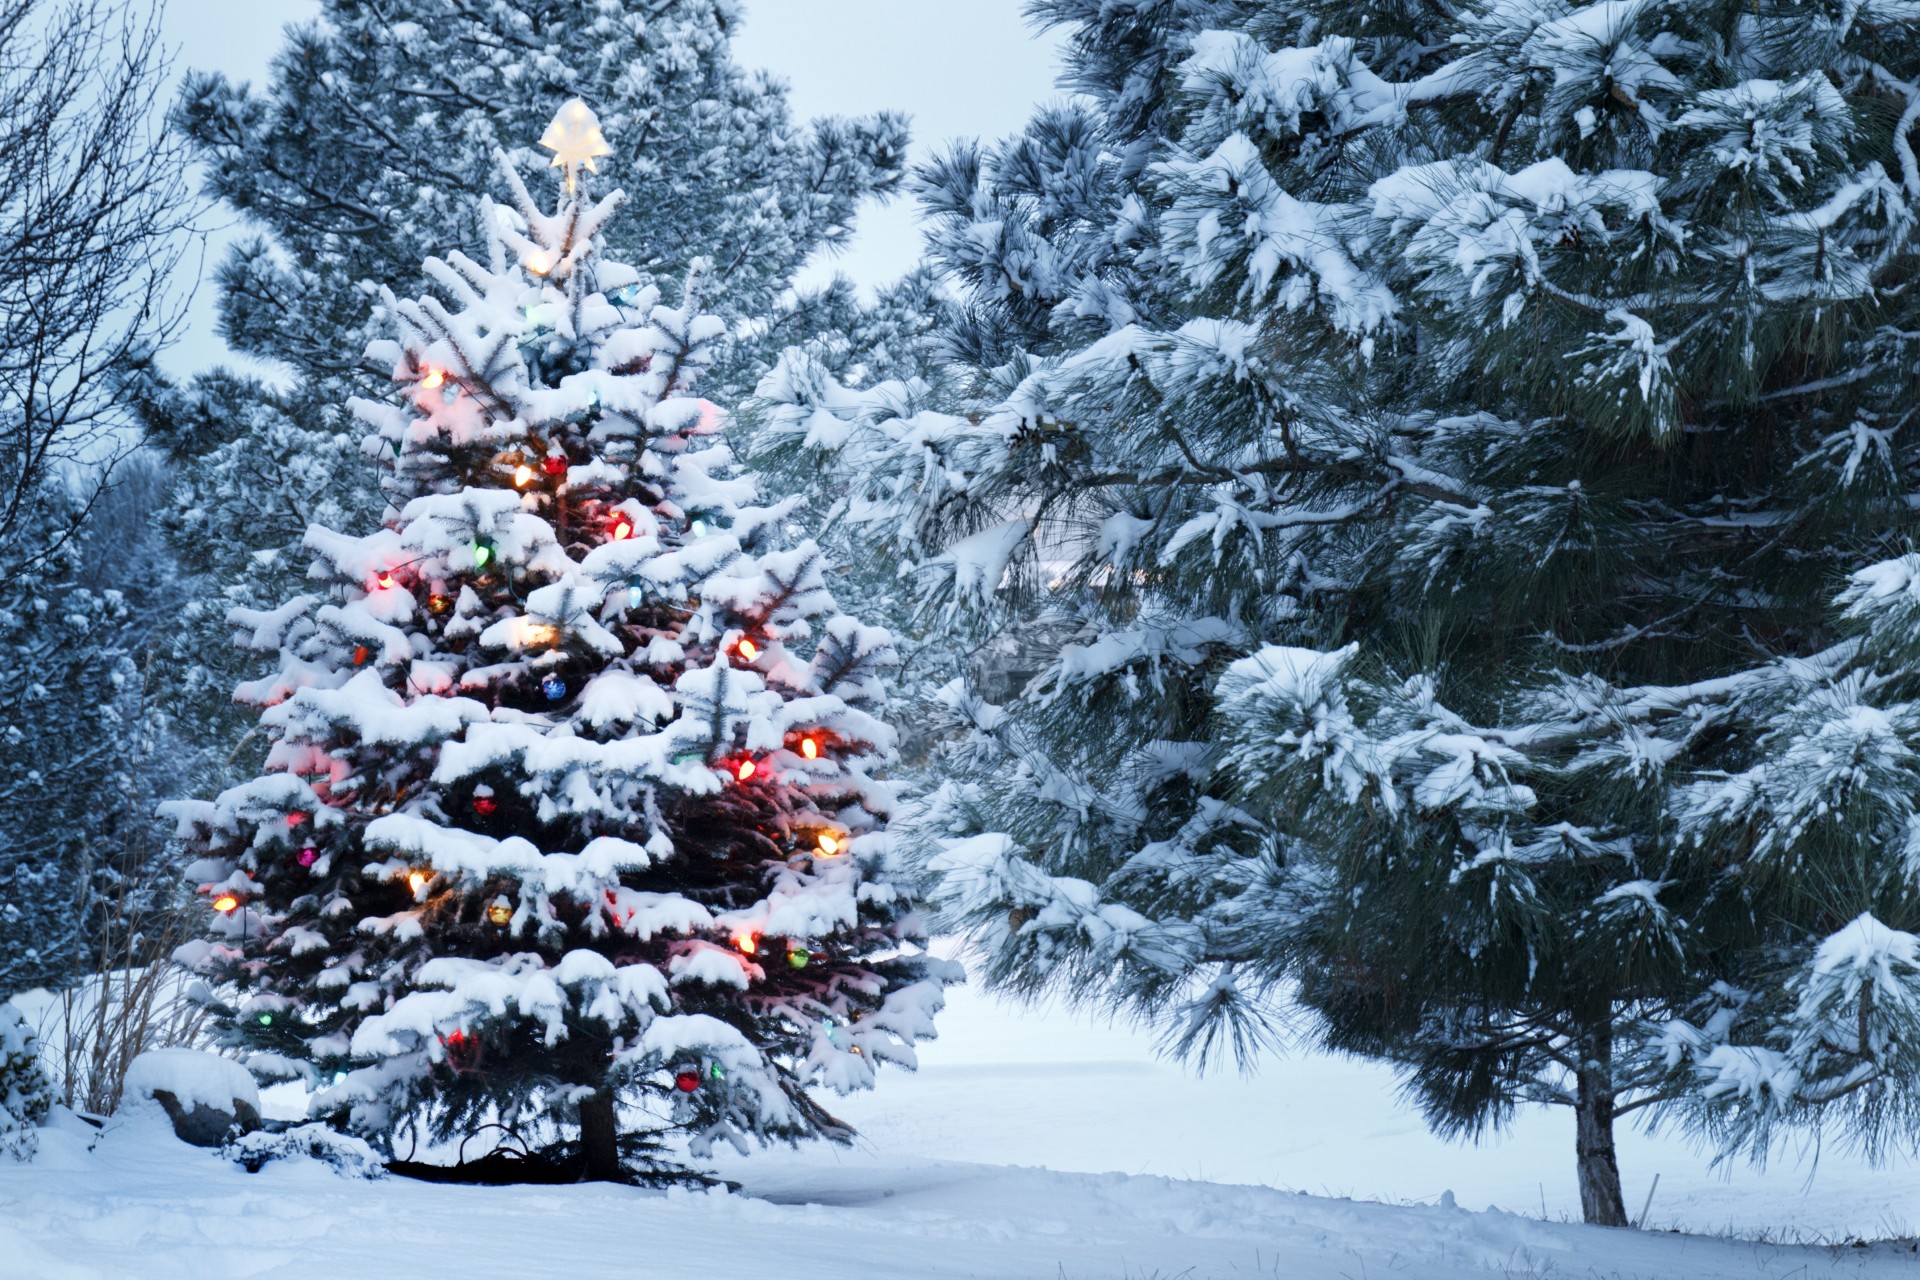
364	153
72	735
1106	514
572	798
1495	398
1818	1020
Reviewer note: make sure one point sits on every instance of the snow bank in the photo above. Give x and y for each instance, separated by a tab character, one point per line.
137	1205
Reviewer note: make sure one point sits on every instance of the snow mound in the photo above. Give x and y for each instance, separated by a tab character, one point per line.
193	1078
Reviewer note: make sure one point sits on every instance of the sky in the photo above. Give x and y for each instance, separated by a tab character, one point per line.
958	67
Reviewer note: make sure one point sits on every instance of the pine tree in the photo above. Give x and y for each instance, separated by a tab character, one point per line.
75	743
1429	562
573	796
364	152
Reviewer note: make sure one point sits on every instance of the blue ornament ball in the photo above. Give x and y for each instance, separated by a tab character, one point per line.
554	687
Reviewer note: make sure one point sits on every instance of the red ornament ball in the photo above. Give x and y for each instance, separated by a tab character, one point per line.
554	465
485	805
687	1081
308	856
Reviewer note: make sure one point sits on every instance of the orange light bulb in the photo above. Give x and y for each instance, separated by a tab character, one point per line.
622	529
417	880
523	475
809	748
225	904
829	843
748	650
538	262
433	379
746	942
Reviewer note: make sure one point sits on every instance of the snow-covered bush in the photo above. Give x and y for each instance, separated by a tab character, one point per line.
349	1156
25	1093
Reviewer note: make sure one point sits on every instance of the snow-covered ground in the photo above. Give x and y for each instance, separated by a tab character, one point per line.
1143	1162
1005	1085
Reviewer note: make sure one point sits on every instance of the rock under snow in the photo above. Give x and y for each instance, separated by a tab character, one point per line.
204	1095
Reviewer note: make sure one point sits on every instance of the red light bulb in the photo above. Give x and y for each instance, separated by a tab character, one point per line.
745	771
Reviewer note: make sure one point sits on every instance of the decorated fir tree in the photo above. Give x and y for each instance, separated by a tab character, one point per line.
572	806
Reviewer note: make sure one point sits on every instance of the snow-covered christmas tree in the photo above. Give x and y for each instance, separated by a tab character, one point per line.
572	807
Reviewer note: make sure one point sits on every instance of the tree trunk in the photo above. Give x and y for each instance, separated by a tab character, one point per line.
1600	1199
597	1138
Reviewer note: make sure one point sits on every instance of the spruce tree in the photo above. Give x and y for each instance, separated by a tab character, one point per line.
573	798
1431	562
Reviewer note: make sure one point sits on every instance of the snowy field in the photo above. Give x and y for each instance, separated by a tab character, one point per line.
1028	1146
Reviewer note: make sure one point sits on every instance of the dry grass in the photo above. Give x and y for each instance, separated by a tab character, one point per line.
135	1000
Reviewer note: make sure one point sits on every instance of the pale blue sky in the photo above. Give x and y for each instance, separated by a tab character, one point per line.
959	67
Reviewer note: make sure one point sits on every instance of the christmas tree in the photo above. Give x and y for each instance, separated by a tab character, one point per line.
573	797
1422	545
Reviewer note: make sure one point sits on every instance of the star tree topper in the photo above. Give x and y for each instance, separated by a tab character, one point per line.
574	138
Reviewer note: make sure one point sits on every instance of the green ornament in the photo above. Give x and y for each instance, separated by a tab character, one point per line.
266	1019
798	957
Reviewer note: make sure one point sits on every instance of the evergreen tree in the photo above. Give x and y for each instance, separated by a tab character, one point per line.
1431	558
362	154
76	748
572	795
